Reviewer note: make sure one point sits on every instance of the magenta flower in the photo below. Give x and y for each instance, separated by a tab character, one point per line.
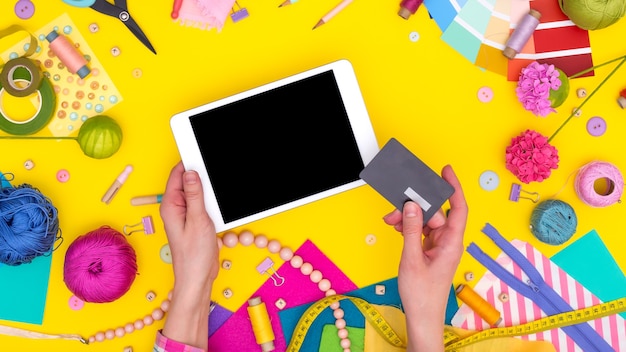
534	86
530	157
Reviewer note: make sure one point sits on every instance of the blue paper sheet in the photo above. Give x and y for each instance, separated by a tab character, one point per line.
24	287
599	273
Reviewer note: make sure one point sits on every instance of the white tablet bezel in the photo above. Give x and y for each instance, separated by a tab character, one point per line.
357	115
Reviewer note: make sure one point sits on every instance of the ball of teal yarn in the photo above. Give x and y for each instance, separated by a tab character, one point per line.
553	222
593	14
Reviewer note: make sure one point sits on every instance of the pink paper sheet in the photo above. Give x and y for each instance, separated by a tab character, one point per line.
205	14
236	333
519	309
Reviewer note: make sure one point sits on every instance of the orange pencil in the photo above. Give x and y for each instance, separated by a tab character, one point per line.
333	12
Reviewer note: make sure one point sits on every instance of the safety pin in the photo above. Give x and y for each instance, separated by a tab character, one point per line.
146	224
265	267
5	178
240	14
516	190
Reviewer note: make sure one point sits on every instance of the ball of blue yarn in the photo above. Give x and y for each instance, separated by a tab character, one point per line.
553	222
28	225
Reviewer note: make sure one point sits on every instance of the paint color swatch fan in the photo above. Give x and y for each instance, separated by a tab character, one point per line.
480	30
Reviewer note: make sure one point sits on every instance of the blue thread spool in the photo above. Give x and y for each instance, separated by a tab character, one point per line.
28	225
553	222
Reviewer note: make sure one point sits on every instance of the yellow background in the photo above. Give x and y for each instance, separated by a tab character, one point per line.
422	93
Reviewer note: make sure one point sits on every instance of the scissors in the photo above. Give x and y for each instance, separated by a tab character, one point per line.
119	10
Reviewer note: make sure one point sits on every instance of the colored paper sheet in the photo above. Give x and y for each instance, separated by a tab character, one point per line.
236	333
330	341
557	40
217	318
603	277
466	32
443	11
519	309
77	99
289	317
23	299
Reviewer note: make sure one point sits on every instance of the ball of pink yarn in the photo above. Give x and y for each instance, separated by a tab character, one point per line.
100	266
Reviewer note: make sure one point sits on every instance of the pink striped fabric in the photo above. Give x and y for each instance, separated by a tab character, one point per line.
519	309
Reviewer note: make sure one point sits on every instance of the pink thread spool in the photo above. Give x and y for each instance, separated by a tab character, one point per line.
599	184
408	8
68	54
100	266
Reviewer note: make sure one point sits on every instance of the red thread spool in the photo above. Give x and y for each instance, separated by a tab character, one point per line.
68	54
622	99
408	8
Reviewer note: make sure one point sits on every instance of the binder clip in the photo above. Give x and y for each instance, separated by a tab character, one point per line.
240	14
145	225
516	191
267	267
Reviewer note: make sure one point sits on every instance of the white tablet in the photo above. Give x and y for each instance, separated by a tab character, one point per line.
278	146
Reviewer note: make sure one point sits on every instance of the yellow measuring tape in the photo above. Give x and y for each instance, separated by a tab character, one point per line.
452	341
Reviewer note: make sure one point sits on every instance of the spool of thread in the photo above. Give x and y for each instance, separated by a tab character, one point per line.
553	222
599	184
68	54
29	225
408	8
100	266
261	325
521	34
478	305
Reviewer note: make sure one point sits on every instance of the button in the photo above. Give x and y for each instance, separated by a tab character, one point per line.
76	303
485	94
370	239
489	180
581	92
380	290
63	176
137	73
150	296
228	293
414	36
503	297
93	28
596	126
29	164
280	304
24	9
115	51
227	264
166	254
577	112
469	276
128	349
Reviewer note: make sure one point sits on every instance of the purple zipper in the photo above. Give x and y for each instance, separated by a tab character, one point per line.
537	290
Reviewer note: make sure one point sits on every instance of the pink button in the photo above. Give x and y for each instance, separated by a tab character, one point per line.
596	126
76	303
63	175
485	94
24	9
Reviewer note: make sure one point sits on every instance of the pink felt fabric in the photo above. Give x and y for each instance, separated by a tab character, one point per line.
236	333
205	14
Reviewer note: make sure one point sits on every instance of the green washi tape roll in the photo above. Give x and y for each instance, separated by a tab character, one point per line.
8	77
45	111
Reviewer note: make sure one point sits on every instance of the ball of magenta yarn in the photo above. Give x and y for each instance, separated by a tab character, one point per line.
100	266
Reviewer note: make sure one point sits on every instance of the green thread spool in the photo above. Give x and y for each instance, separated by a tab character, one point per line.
593	14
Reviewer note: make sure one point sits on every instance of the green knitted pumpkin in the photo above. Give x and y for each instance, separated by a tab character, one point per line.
593	14
100	137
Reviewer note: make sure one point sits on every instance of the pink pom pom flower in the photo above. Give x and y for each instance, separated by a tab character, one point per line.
537	86
530	157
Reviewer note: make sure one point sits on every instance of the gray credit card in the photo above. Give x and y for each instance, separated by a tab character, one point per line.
400	176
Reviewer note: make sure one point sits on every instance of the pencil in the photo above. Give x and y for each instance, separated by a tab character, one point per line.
143	200
287	2
333	12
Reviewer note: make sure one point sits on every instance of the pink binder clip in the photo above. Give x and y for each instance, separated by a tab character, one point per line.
516	191
146	224
267	267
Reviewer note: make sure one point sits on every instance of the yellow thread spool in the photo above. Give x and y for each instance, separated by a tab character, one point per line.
478	305
261	325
